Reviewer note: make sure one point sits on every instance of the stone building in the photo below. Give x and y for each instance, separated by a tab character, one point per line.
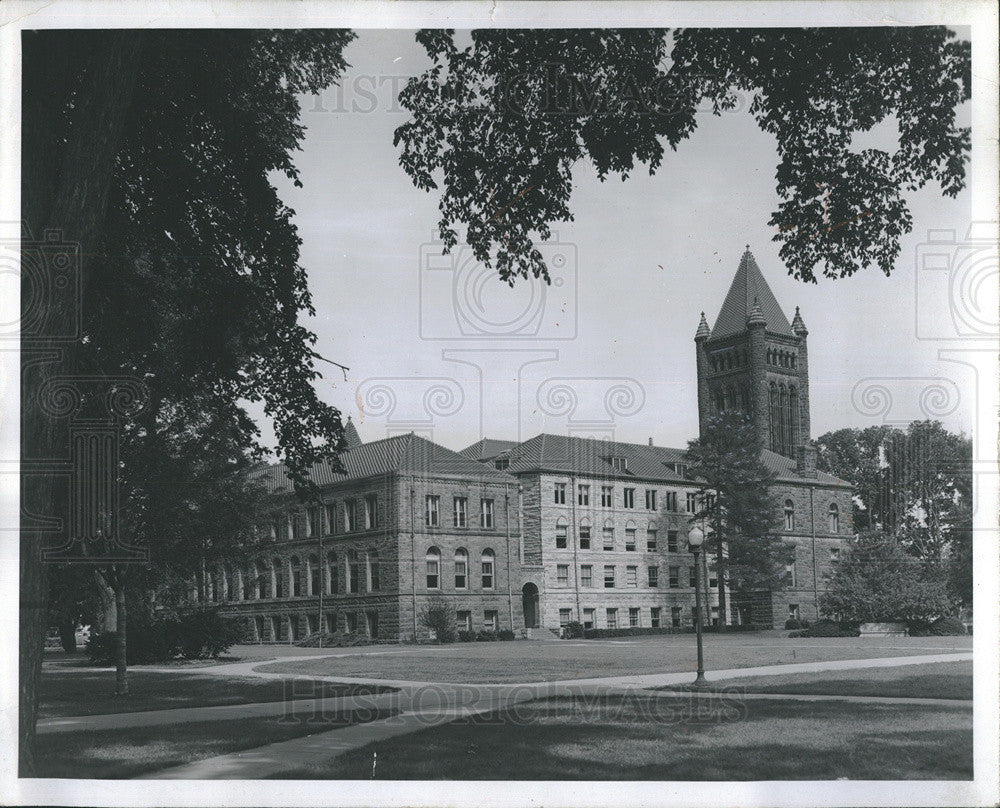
556	528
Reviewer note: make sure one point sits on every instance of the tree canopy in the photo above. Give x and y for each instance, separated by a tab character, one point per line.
500	125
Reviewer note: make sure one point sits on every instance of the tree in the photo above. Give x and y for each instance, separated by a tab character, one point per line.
737	504
150	152
878	581
499	126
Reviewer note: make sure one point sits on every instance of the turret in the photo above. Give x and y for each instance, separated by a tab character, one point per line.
701	362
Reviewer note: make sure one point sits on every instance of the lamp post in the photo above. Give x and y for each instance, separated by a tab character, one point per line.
696	538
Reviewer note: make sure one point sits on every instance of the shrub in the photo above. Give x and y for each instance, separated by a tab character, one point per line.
437	617
946	627
827	628
573	630
505	634
485	635
204	633
466	636
792	623
337	639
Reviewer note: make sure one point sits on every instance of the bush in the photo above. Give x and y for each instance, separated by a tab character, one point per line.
337	639
573	630
203	634
194	635
942	627
791	623
506	634
466	636
485	635
827	628
438	618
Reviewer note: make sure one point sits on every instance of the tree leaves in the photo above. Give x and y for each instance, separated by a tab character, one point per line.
519	109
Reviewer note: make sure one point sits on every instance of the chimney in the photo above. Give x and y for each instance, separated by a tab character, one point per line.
805	461
650	441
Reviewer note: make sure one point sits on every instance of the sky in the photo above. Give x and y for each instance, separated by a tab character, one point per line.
438	346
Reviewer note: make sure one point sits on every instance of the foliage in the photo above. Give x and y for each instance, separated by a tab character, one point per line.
485	635
573	630
827	628
466	636
792	623
337	639
505	634
737	505
437	616
942	627
878	581
199	634
501	124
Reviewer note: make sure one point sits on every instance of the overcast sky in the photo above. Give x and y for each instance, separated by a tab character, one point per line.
641	261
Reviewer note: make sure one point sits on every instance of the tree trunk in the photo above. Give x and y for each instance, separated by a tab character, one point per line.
106	595
121	648
720	574
64	188
67	636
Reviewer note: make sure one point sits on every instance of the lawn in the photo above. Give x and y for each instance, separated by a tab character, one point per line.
65	691
645	737
940	680
130	752
525	661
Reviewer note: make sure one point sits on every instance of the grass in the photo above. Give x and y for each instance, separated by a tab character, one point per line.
131	752
940	680
549	661
640	737
71	692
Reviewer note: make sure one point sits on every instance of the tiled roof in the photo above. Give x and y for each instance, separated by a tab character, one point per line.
487	448
784	470
405	454
351	434
749	285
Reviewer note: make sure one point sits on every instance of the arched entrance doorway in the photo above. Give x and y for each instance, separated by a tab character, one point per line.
529	605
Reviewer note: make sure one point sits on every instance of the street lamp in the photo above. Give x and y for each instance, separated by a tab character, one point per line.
696	538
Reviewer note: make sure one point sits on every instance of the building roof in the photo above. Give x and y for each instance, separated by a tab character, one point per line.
403	454
784	469
749	287
487	448
351	435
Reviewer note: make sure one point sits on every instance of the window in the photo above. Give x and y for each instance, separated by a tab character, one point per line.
691	502
630	539
588	618
584	537
433	568
486	513
502	463
562	533
670	500
277	570
650	500
790	575
298	525
612	618
487	568
654	577
564	617
560	494
609	537
562	575
586	575
654	617
633	617
354	571
461	568
619	463
373	571
834	518
674	577
789	515
334	583
315	574
607	495
350	515
432	511
651	540
671	541
371	512
583	495
351	622
460	515
675	616
628	498
834	555
713	583
631	576
314	518
463	619
491	620
331	518
609	576
793	611
692	577
296	577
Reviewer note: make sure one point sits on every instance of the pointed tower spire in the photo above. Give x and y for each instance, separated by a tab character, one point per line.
351	435
756	316
703	332
798	325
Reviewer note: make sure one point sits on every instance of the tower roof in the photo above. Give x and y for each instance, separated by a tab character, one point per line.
748	287
351	435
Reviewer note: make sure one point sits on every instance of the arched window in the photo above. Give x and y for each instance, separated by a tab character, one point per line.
278	578
793	416
562	533
834	518
296	570
373	570
433	568
461	568
584	537
314	575
488	568
262	589
789	515
774	417
333	582
228	589
353	572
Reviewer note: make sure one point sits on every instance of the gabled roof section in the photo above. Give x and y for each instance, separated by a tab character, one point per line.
785	470
405	454
748	286
351	434
487	448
